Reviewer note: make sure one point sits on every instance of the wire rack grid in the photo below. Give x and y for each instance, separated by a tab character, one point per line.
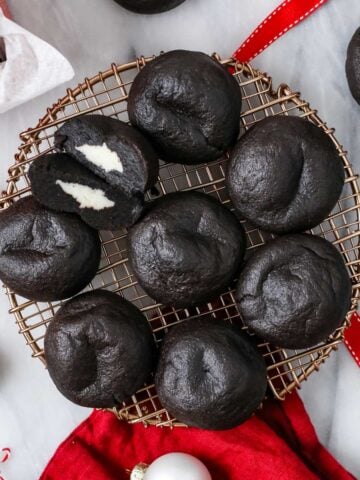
106	93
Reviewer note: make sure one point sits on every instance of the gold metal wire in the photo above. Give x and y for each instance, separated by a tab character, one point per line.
106	93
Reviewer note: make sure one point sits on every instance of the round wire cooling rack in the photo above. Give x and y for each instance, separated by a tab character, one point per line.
106	93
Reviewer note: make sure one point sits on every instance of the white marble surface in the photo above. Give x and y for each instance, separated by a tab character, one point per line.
34	418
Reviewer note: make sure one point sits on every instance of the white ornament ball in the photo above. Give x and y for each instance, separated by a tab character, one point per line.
177	466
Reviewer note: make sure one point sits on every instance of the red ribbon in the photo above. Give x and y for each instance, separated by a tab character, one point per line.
282	19
352	337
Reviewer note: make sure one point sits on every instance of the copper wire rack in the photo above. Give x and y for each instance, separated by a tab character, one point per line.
106	93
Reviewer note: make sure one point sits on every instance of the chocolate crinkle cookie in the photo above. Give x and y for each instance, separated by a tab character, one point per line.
186	249
285	175
210	375
353	65
188	104
46	255
103	176
294	291
99	349
149	6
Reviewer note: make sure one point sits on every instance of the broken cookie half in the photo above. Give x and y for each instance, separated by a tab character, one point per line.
103	176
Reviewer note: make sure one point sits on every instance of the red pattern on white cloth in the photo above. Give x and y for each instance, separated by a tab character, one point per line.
4	7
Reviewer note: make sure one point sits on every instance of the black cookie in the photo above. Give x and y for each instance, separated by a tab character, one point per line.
45	255
353	65
188	104
187	249
61	183
2	50
149	6
209	374
294	291
99	349
285	175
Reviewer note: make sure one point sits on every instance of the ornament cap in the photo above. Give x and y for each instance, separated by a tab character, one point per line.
139	471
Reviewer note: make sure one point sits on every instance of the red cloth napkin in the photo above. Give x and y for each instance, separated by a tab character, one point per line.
279	443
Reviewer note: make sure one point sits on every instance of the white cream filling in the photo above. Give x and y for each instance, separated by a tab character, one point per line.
87	197
102	156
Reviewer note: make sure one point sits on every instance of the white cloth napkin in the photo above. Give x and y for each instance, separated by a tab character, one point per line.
32	66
